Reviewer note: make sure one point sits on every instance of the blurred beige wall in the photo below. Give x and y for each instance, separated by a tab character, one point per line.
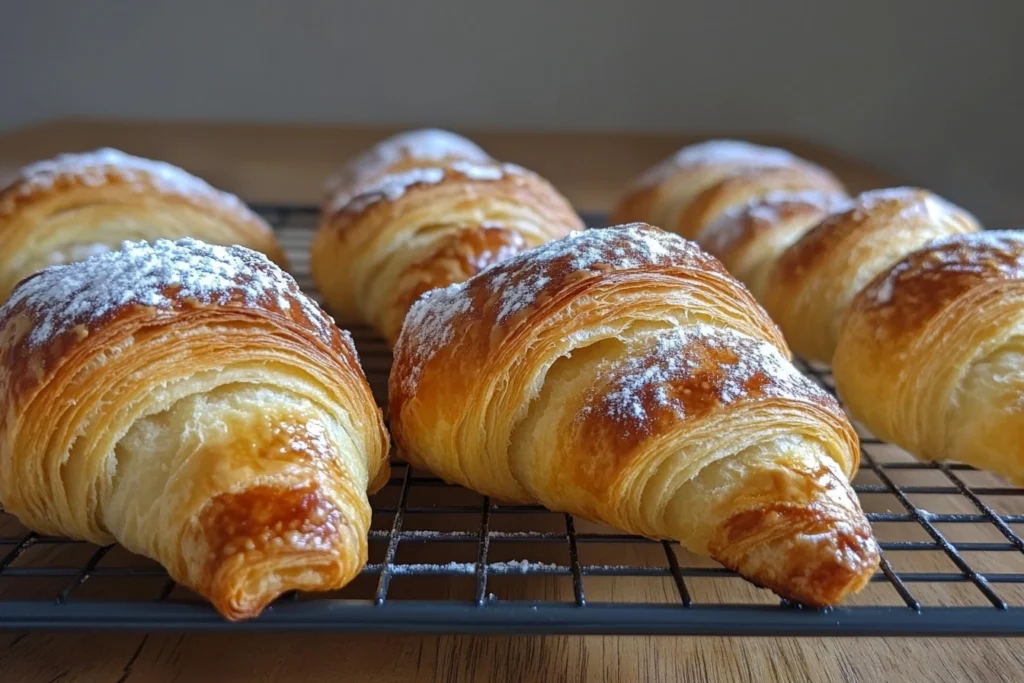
930	89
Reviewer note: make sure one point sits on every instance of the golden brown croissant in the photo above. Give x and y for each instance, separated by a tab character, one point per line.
748	238
694	186
187	401
812	283
68	208
422	148
931	353
622	375
409	232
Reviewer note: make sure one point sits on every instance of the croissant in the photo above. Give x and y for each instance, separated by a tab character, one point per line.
75	205
622	375
747	239
422	148
374	254
697	184
812	283
931	352
188	402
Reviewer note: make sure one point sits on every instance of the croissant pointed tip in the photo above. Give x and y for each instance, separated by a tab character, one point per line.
810	554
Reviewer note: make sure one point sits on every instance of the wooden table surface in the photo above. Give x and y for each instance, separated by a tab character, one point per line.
271	163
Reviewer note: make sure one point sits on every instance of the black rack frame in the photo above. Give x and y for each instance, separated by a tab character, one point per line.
483	613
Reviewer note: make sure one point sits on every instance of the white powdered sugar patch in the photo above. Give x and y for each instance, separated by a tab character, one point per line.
393	186
524	567
91	168
440	568
63	297
882	294
478	171
427	144
976	252
717	152
387	188
430	321
644	381
518	281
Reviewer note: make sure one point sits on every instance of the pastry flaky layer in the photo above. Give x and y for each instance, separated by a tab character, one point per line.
696	185
811	284
420	148
931	352
189	402
414	230
68	208
748	238
622	375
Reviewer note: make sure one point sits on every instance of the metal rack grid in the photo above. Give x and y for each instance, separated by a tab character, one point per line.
443	559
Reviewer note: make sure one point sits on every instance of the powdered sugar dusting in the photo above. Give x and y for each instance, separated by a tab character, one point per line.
715	362
431	323
516	283
393	186
509	567
387	188
982	252
519	280
91	168
427	145
160	274
717	152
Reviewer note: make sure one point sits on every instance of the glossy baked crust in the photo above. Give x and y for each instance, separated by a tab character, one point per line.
75	205
376	253
622	375
698	183
813	282
931	353
747	239
190	403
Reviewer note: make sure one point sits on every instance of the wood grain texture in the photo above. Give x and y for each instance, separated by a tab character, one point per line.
287	163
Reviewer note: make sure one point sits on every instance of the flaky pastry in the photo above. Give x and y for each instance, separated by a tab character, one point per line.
409	232
931	353
73	206
698	183
190	403
622	375
812	283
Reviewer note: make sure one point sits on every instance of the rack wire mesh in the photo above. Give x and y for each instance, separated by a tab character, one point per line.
444	559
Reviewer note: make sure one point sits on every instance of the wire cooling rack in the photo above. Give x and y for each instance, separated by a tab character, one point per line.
444	559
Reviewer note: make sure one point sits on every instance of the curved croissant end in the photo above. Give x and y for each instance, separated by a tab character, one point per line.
689	189
813	282
425	228
931	352
625	377
189	402
68	208
747	239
